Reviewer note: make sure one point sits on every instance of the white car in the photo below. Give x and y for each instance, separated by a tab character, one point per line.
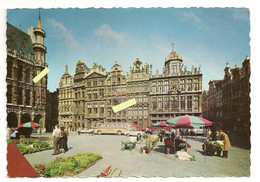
133	132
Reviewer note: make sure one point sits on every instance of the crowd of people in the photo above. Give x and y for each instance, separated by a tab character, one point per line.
174	142
217	142
60	140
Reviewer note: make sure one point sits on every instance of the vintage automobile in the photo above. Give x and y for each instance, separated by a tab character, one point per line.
198	131
85	130
133	132
110	130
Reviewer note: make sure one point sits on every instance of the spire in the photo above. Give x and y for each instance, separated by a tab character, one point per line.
39	25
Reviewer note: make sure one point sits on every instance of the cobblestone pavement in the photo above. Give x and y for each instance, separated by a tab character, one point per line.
135	164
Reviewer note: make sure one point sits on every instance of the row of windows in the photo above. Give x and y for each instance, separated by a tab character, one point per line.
175	102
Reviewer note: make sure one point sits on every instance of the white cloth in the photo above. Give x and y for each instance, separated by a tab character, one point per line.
182	155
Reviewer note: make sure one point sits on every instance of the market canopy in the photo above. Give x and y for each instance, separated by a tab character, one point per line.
29	125
189	121
162	124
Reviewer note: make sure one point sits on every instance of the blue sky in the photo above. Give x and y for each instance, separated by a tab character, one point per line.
206	36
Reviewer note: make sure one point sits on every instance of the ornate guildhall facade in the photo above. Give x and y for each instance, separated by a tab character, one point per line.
26	100
86	99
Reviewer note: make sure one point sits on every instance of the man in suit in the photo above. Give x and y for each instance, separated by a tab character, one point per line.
227	144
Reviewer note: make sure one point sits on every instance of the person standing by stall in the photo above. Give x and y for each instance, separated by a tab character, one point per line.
227	144
56	139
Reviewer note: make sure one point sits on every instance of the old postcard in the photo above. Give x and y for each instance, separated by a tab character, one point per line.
128	92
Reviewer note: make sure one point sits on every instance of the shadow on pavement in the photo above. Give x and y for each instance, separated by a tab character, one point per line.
160	149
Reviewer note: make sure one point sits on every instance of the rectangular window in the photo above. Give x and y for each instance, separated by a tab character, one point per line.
189	85
89	95
196	84
174	68
182	85
154	87
89	109
166	103
130	111
145	98
174	102
189	102
140	111
182	102
160	102
95	108
196	102
130	87
140	98
95	83
160	87
140	87
145	86
135	111
145	111
154	101
166	86
89	84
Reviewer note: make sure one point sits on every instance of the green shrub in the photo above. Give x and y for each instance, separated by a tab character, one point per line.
69	165
30	145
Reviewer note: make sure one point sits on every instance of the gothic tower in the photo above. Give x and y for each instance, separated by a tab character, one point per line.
40	88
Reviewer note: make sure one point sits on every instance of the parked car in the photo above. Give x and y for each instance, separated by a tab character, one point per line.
197	131
110	130
133	132
85	130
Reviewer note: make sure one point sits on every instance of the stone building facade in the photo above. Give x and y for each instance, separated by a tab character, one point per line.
227	101
93	92
236	99
26	100
212	102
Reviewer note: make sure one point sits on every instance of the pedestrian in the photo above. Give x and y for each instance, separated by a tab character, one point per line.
66	140
15	134
63	140
173	136
227	144
56	139
8	132
209	134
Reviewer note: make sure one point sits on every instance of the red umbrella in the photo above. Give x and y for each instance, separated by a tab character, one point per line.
29	125
161	124
189	121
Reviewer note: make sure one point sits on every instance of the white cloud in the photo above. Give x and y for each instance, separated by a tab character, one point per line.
64	33
192	16
107	33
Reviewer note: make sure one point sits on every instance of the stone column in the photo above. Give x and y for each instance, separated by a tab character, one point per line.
19	117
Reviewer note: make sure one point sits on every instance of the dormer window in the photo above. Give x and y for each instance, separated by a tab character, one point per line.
174	68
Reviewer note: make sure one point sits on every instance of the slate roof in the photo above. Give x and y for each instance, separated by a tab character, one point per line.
19	40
